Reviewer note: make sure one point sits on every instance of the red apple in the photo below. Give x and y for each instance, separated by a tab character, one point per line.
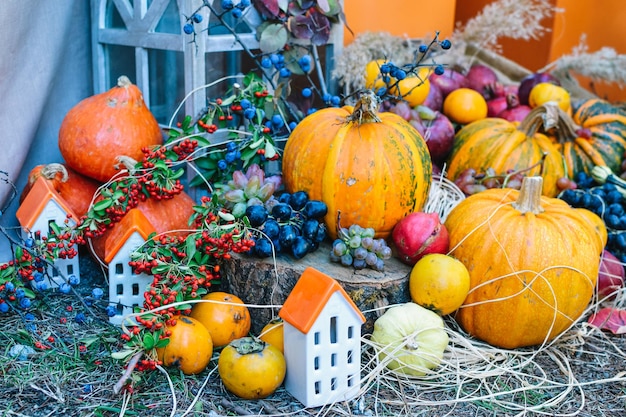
610	275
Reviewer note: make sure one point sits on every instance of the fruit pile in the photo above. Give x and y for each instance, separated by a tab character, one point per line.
292	224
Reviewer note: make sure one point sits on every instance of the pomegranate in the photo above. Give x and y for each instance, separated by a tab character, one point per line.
434	99
449	81
610	275
482	79
438	132
419	234
496	105
532	80
514	111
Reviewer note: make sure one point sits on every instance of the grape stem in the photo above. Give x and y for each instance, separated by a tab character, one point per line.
506	177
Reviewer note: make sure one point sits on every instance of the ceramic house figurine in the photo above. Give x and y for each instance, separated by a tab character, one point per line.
322	341
41	207
125	287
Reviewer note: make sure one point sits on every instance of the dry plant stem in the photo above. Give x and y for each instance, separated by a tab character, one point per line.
235	408
130	367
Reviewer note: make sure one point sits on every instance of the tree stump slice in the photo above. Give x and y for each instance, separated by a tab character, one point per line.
260	282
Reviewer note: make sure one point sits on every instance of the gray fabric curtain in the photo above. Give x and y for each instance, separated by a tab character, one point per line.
45	69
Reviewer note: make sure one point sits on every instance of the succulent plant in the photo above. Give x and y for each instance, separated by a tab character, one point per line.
248	189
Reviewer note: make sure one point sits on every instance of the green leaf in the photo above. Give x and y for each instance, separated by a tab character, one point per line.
122	354
102	205
183	307
162	343
270	150
190	247
148	341
177	174
273	38
206	163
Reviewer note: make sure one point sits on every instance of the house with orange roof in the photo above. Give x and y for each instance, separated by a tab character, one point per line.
126	288
42	207
322	341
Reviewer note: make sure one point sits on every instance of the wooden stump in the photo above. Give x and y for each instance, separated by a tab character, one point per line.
261	282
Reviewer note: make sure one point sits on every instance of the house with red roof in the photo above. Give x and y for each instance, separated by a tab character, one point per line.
40	208
322	341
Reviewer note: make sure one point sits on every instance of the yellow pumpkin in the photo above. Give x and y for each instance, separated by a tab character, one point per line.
370	169
533	264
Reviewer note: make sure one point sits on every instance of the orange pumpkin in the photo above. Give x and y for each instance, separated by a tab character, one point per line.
169	215
77	190
533	264
505	146
104	126
224	315
190	346
371	169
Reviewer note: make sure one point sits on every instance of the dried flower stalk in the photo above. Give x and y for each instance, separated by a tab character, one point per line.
514	19
605	64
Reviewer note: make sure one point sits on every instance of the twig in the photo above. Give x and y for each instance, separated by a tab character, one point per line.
235	408
129	370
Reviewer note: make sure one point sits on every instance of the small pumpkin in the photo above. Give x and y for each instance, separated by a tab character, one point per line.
410	339
371	169
76	190
506	146
533	264
594	135
250	368
273	334
104	126
190	346
225	316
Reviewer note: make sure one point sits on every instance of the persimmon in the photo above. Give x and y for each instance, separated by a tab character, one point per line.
224	315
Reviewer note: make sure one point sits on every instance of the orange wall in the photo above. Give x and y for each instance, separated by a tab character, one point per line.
412	18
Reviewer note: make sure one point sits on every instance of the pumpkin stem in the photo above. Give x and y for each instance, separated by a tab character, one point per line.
546	116
123	81
529	199
366	109
50	171
126	162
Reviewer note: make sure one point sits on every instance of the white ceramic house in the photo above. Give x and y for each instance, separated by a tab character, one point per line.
322	341
41	207
126	288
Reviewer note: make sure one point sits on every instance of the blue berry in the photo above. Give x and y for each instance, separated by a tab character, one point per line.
111	310
80	318
73	279
381	91
326	98
249	113
335	100
292	125
245	3
245	103
9	286
29	242
97	293
222	164
230	157
400	74
19	293
439	70
65	288
277	121
38	277
311	110
188	28
285	73
231	146
227	4
197	18
41	285
4	307
237	13
423	48
275	58
87	389
266	62
25	303
29	317
306	92
385	68
446	44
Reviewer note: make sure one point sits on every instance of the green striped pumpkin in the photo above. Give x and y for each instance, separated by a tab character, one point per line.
594	135
506	146
371	168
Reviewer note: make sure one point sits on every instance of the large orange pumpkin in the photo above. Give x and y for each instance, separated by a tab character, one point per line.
371	169
104	126
505	146
77	190
533	264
